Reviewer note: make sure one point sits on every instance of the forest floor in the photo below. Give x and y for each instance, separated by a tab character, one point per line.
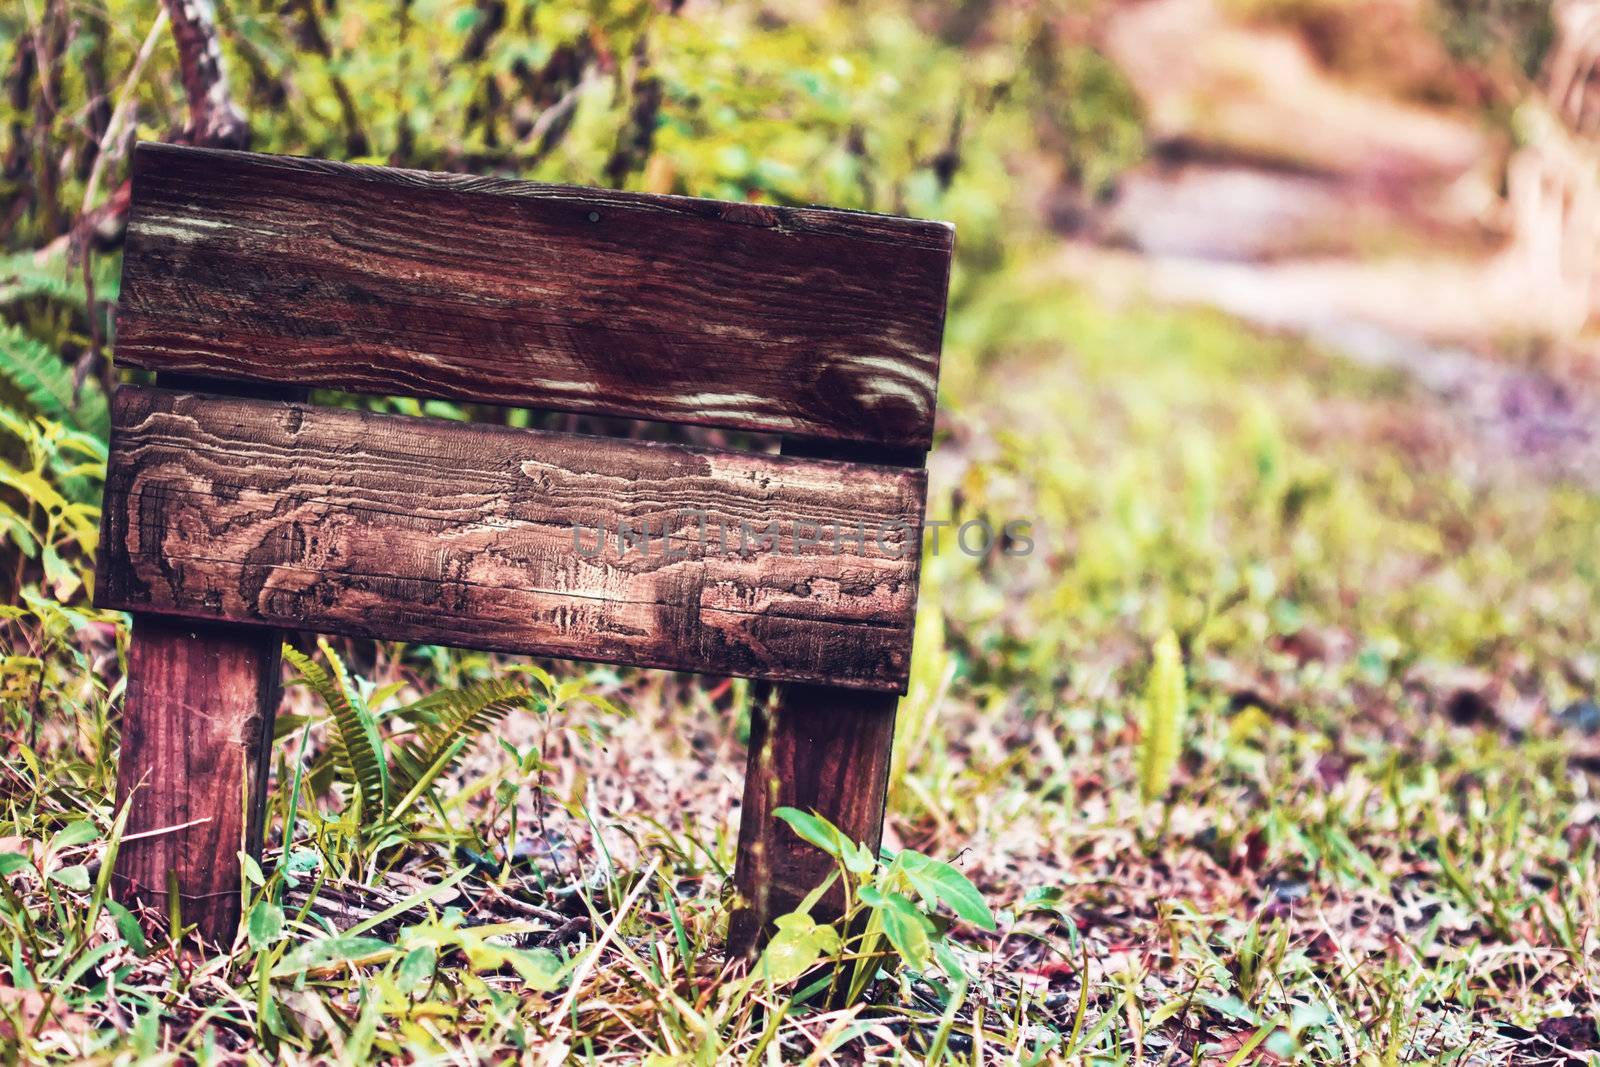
1379	843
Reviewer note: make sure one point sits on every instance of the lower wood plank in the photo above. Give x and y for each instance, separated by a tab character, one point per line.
196	738
414	529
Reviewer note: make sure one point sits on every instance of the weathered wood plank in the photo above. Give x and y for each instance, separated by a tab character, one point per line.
460	534
809	322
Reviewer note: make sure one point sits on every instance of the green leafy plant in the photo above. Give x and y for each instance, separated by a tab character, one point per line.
44	382
390	774
893	914
51	514
47	307
358	748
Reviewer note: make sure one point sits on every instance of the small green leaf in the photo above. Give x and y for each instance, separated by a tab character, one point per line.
63	579
359	1043
416	968
301	861
936	880
1043	898
540	968
272	1017
815	829
73	834
906	929
265	925
796	947
74	877
12	862
332	950
949	962
857	858
128	927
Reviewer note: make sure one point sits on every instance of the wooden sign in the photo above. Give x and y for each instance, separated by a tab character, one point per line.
236	510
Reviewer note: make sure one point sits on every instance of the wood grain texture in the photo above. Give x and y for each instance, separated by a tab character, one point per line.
808	322
459	534
815	748
196	730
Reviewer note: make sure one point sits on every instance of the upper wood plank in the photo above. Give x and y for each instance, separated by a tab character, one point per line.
807	322
416	529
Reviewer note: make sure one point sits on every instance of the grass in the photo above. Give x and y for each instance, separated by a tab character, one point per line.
1378	843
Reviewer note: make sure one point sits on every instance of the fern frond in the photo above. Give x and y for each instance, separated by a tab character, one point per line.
24	275
358	747
450	716
368	723
1166	706
44	383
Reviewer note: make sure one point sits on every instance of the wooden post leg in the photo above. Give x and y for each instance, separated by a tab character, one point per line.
196	741
819	749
